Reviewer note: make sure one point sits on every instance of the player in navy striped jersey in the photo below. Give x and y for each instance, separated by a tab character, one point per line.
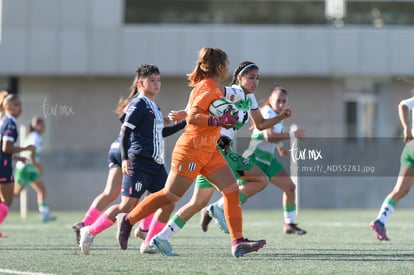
141	146
114	180
11	105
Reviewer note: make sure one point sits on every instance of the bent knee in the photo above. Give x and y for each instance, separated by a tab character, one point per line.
234	187
171	196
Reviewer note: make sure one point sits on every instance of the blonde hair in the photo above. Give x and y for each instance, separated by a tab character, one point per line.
3	95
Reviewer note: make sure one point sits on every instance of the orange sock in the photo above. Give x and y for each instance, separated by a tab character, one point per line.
149	205
232	211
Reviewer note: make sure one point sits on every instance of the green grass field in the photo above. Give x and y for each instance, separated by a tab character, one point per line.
338	242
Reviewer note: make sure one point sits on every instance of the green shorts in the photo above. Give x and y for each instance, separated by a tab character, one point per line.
26	175
407	155
270	170
237	163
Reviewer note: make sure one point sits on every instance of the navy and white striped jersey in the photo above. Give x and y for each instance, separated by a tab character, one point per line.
145	119
8	132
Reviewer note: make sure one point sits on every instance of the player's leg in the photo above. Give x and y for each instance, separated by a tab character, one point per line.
40	188
285	183
251	180
224	180
104	221
6	199
110	193
162	215
403	185
200	198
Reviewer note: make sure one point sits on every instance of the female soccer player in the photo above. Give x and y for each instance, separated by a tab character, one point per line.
244	84
196	153
405	178
11	105
261	152
30	171
114	179
141	146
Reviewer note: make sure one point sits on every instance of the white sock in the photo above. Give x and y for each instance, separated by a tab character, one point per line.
385	212
168	231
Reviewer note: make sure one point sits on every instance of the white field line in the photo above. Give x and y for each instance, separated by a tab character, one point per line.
10	271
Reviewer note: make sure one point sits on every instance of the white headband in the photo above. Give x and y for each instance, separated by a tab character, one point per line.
245	68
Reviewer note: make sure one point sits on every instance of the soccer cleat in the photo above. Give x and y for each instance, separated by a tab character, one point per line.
217	214
76	228
379	229
47	218
162	246
2	236
205	219
292	228
86	239
146	249
244	246
140	233
124	230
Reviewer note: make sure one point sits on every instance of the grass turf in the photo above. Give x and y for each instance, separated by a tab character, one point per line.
338	242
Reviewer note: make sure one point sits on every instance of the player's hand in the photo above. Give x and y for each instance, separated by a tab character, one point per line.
300	133
227	120
126	167
30	148
19	158
286	113
282	151
407	135
177	115
224	143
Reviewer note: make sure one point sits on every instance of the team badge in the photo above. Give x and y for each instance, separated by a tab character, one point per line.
191	166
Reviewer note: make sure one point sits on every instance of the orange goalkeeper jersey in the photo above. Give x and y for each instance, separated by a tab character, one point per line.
200	137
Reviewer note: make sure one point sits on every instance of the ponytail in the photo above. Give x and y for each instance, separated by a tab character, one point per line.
3	95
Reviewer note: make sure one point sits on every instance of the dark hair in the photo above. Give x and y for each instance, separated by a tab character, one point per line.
276	87
207	65
35	120
146	70
242	69
143	71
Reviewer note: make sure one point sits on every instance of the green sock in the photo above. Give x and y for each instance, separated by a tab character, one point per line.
242	197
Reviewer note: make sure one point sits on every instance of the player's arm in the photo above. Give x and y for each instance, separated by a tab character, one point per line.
125	136
170	130
271	136
132	118
9	148
262	123
403	114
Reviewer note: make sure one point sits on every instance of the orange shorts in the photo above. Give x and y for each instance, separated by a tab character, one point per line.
195	163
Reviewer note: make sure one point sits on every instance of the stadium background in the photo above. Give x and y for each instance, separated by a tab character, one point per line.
71	60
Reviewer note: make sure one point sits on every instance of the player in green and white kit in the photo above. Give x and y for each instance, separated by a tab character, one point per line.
30	172
405	180
261	152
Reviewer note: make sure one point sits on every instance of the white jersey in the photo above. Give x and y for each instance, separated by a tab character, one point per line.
236	94
35	139
409	102
263	149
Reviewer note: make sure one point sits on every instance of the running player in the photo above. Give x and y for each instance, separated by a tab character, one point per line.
141	146
11	106
31	170
196	153
405	178
114	179
261	152
244	84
